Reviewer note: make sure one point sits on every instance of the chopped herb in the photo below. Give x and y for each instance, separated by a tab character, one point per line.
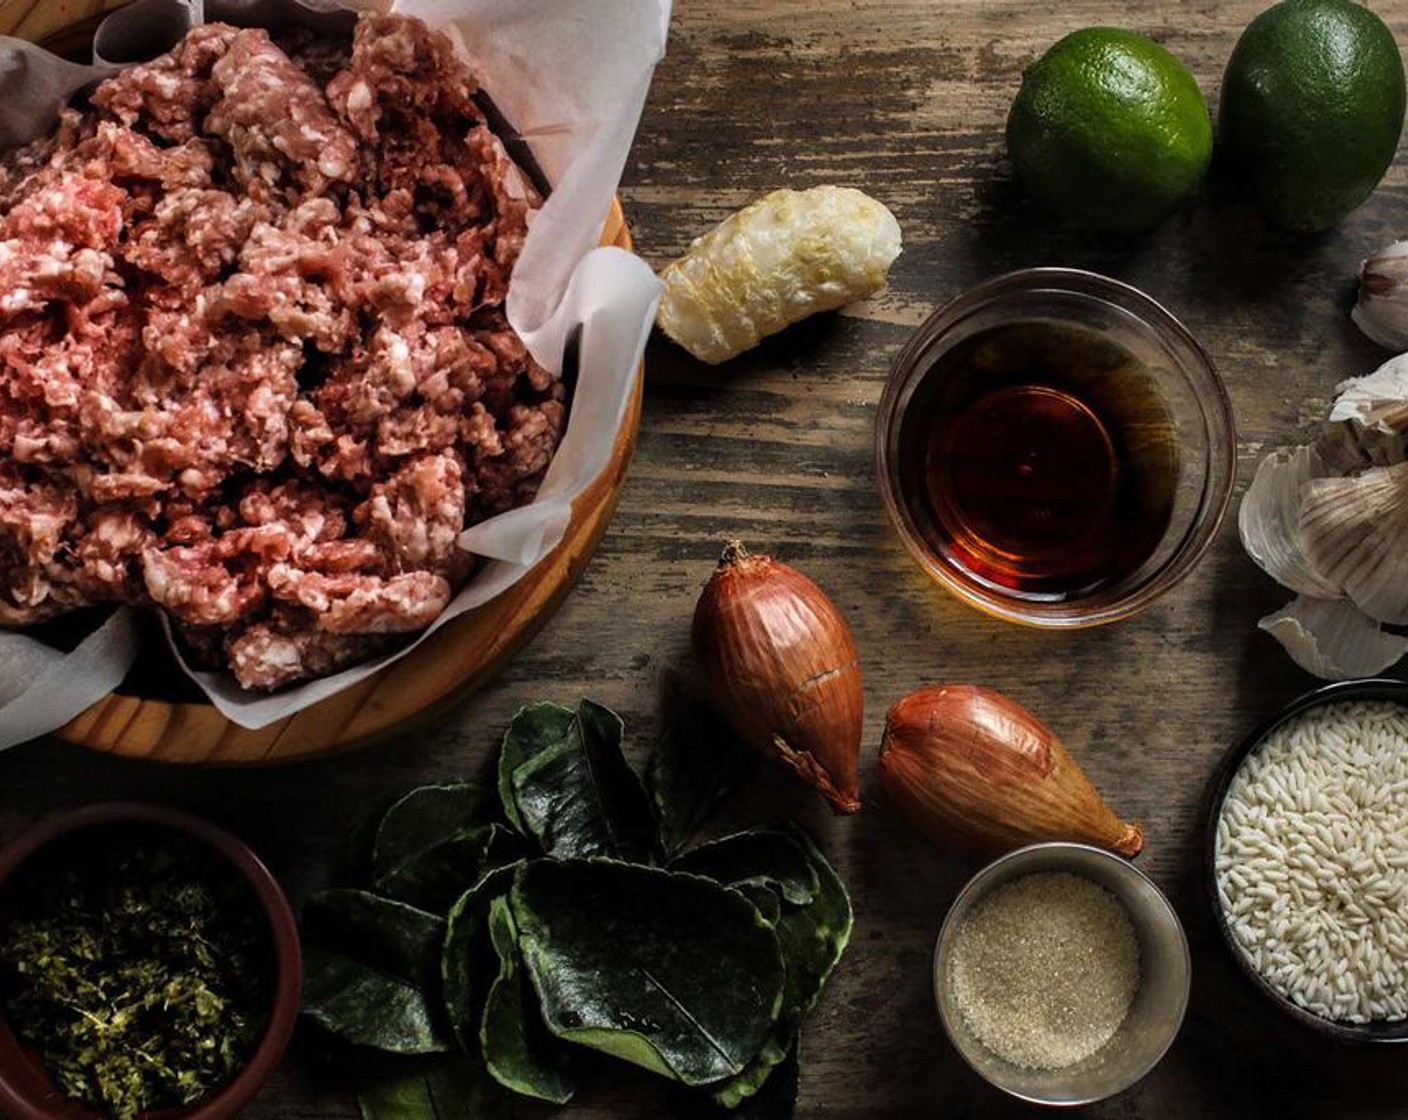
138	964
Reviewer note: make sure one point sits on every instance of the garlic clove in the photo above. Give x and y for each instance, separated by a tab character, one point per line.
1382	310
1269	520
1354	532
1334	641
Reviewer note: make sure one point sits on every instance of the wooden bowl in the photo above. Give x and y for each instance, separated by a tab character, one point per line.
1383	689
65	27
26	1093
451	664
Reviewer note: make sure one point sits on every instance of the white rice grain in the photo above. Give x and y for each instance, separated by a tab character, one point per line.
1311	860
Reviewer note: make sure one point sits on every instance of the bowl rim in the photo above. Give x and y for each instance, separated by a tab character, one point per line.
227	1100
1216	405
1377	1032
980	881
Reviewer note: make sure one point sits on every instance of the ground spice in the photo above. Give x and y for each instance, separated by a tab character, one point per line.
1045	968
138	965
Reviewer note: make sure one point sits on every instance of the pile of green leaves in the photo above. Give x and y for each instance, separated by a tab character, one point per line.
139	966
528	931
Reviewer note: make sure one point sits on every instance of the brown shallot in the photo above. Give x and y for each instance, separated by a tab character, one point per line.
781	668
973	765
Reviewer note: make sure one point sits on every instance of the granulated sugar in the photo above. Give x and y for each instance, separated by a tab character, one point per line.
1045	968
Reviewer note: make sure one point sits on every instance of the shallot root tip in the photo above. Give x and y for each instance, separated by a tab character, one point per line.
811	771
1132	842
733	553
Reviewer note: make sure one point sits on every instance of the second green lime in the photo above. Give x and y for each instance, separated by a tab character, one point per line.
1110	130
1312	109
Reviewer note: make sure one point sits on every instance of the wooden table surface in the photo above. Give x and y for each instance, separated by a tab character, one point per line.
907	100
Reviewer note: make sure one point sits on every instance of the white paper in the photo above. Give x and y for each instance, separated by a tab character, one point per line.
63	685
572	79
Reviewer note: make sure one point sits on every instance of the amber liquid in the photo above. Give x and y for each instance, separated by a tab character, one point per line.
1041	460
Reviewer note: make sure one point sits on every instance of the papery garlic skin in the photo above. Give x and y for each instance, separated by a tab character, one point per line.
1334	641
1375	399
1268	520
1382	310
1368	422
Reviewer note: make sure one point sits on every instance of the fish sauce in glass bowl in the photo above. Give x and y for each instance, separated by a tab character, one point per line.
1042	459
1055	448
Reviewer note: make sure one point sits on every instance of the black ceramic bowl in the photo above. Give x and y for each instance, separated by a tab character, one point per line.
26	1092
1378	1031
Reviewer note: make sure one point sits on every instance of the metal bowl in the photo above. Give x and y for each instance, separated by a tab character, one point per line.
1154	1016
1379	1031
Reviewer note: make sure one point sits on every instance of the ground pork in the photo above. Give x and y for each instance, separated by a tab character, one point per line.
254	366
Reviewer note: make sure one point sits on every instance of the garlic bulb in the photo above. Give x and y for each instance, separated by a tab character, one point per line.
1382	310
1329	521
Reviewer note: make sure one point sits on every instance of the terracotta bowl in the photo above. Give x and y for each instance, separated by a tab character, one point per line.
26	1092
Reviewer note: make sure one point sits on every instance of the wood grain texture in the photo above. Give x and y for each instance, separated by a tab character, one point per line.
448	666
40	20
906	99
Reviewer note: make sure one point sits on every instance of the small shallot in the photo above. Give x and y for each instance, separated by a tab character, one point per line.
972	765
781	668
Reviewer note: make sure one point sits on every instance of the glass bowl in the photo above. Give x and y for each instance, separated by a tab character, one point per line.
1160	357
1154	1017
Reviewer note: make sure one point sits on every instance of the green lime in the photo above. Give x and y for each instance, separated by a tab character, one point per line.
1110	130
1312	108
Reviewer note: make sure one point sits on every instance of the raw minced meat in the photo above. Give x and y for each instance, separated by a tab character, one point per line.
254	365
